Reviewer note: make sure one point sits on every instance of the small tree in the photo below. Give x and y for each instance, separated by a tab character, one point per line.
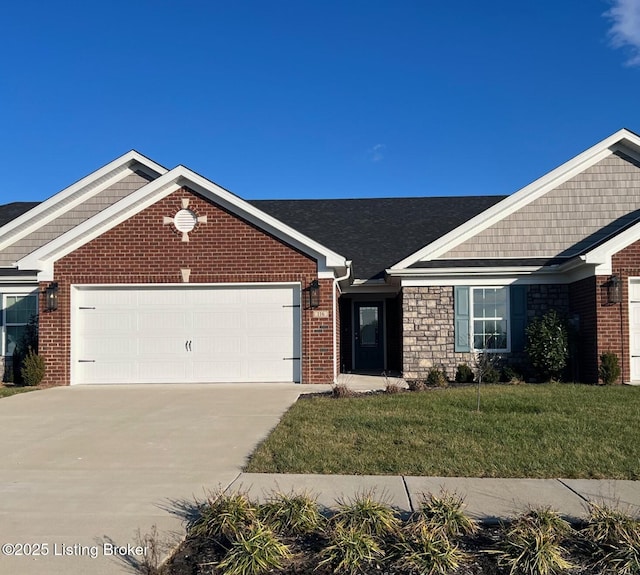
548	344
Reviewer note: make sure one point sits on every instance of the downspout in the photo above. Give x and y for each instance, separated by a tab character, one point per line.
335	328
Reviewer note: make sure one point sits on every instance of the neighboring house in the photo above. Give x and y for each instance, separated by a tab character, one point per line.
143	274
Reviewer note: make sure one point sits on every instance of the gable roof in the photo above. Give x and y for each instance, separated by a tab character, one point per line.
623	142
26	226
44	257
376	232
9	212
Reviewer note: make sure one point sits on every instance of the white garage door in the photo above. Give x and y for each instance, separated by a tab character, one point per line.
186	334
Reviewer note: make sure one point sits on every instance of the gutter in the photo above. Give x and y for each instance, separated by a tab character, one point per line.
336	281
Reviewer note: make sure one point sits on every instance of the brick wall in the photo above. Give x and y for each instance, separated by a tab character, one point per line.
142	250
584	304
613	320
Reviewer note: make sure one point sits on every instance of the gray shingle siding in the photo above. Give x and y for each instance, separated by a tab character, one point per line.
566	220
72	218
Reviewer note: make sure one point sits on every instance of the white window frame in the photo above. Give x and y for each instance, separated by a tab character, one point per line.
506	318
17	293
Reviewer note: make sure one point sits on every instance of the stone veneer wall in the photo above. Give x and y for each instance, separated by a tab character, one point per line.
428	332
428	326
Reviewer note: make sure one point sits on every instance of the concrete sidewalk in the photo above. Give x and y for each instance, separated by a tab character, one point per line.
487	500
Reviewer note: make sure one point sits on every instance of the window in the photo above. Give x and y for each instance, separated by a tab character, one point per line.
18	311
489	313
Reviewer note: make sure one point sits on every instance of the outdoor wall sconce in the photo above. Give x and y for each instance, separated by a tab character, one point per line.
51	297
314	294
614	290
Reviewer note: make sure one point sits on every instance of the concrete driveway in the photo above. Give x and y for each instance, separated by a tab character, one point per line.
82	468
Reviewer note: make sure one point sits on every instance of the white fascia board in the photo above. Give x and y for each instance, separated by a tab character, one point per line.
83	189
43	258
565	274
470	271
622	138
90	229
261	219
604	251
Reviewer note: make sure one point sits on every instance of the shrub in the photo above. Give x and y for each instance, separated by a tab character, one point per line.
341	390
491	375
510	375
223	516
464	374
393	388
292	514
254	551
547	344
609	370
351	550
430	553
28	341
614	538
531	544
365	513
416	385
437	378
444	513
33	368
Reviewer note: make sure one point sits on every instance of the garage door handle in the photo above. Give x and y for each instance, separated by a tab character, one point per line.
86	361
290	358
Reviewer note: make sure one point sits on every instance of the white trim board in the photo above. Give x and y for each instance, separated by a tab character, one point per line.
43	258
623	140
77	194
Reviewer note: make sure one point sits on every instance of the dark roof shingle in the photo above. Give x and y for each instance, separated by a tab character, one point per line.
376	233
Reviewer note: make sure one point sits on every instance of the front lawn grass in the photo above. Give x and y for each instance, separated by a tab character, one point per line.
542	431
12	390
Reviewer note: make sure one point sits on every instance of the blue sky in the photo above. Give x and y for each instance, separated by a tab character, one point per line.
301	99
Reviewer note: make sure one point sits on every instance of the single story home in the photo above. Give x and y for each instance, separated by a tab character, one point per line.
141	274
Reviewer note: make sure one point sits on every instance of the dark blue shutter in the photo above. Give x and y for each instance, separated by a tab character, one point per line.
462	318
518	309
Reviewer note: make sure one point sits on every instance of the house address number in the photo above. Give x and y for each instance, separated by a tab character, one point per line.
323	313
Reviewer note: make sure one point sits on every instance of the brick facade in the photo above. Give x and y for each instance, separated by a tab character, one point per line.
226	249
584	305
613	319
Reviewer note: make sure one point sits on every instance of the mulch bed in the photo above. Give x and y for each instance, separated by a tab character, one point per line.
197	557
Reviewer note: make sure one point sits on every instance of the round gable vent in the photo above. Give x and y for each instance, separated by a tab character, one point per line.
185	220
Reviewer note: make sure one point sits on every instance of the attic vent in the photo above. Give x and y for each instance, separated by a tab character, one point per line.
185	221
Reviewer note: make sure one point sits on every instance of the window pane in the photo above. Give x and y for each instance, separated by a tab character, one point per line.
14	335
490	318
20	309
369	326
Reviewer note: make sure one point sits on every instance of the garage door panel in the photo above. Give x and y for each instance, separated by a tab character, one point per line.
187	334
109	372
160	320
221	347
108	346
157	370
156	347
215	319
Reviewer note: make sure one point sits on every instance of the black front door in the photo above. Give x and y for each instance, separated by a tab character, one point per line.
368	336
